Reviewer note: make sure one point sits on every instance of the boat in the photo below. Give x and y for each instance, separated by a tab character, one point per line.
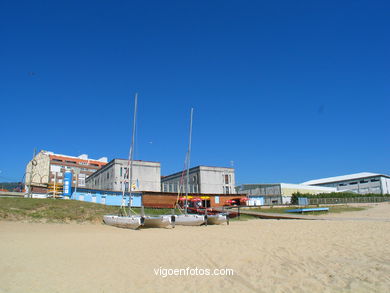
160	221
186	219
124	219
128	222
217	219
189	220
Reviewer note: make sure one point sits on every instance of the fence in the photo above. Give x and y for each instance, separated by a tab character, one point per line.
316	201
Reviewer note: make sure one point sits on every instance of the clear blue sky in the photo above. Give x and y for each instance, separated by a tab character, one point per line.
288	90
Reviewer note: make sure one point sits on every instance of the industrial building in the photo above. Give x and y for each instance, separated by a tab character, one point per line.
277	193
202	179
47	169
361	183
114	176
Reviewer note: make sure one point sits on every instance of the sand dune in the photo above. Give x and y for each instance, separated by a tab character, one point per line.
266	256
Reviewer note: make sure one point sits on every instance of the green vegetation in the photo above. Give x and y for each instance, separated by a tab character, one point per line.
11	186
59	210
244	218
294	197
332	209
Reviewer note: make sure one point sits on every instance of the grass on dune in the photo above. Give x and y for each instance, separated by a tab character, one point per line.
59	210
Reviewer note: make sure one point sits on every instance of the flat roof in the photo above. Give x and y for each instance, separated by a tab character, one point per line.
343	178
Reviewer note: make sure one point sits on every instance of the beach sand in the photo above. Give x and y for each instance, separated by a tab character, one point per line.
336	255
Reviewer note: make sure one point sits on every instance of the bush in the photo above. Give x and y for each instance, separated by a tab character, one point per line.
294	197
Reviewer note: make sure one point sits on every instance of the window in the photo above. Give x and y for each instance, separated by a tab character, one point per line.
226	179
56	160
363	181
71	162
375	180
227	191
108	175
353	183
342	184
121	172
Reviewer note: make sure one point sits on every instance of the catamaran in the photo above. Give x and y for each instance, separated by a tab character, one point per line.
126	219
186	219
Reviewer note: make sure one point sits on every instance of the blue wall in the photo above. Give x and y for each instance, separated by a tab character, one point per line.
111	198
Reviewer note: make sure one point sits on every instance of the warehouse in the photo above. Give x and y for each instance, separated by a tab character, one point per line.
362	183
277	193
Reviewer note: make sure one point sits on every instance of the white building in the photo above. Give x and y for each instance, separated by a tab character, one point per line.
202	179
146	176
277	193
361	183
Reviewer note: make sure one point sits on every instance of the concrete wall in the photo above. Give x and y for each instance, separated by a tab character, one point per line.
40	172
212	180
106	198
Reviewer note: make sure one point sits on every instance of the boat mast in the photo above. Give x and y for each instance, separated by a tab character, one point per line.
188	163
131	154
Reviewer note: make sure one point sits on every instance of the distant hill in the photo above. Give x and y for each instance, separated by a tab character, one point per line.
12	186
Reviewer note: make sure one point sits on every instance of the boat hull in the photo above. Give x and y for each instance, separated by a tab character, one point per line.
216	219
129	222
189	220
161	221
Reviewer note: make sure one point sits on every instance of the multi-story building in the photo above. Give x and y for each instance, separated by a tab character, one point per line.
361	183
48	168
114	176
277	193
202	179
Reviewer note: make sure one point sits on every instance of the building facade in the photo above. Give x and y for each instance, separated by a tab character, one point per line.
114	176
48	168
202	179
277	193
361	183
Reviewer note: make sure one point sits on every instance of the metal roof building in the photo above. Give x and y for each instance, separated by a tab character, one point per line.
362	183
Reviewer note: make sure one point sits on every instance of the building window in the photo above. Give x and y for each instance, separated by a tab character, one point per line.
226	179
353	183
375	180
121	172
227	190
363	181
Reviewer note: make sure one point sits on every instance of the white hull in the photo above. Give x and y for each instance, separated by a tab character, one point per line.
216	219
129	222
189	220
161	221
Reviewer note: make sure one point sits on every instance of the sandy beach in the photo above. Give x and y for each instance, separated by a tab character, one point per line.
336	255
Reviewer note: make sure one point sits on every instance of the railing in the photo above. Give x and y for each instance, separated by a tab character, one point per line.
316	201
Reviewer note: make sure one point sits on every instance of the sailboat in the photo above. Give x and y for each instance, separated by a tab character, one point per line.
127	220
186	219
157	221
